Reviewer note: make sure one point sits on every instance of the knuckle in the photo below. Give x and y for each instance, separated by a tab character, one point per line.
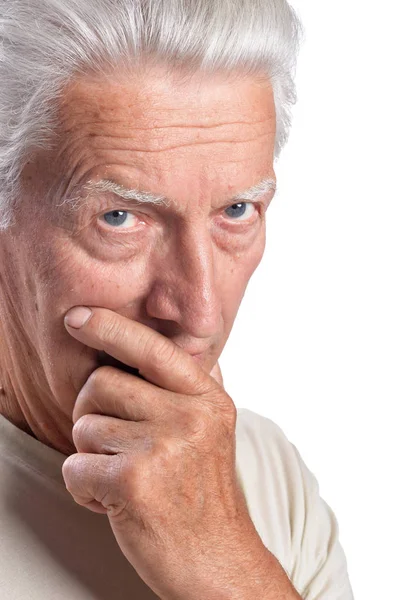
206	425
138	471
130	478
222	406
202	429
81	430
167	450
165	354
111	330
98	377
195	420
108	489
85	402
69	469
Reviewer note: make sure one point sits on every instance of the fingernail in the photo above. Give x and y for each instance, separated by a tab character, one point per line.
77	316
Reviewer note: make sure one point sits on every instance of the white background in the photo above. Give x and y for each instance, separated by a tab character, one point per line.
315	346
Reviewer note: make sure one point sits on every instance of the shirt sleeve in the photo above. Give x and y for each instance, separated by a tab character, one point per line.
320	567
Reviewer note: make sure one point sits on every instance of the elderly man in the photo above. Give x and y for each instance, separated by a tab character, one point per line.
136	167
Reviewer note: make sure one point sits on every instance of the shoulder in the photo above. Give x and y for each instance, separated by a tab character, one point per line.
264	451
283	499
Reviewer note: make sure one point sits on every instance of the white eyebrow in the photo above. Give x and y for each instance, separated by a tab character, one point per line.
106	185
256	191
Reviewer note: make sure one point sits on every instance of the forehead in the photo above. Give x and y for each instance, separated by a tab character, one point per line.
159	96
148	127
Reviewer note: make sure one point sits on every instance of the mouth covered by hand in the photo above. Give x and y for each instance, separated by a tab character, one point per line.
105	359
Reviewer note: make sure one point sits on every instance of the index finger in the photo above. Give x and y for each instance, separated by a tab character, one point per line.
157	358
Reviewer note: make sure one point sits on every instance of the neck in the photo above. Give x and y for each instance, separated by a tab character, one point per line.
49	428
9	407
26	399
11	411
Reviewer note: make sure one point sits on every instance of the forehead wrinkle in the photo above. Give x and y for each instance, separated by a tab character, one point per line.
156	149
155	126
136	140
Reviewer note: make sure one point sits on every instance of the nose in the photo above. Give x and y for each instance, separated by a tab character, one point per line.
185	288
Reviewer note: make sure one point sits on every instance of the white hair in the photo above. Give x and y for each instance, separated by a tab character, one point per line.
44	43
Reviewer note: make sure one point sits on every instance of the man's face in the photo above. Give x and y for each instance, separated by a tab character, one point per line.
181	269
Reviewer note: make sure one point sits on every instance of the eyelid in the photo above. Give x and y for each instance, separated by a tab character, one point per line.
223	208
259	209
260	205
106	227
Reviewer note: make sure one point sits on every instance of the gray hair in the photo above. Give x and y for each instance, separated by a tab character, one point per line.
44	43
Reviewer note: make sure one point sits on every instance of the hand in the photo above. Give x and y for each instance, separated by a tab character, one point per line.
157	455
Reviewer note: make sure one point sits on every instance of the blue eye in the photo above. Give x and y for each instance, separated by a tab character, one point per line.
118	218
238	210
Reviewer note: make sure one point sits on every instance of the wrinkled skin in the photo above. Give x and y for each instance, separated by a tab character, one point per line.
181	270
157	455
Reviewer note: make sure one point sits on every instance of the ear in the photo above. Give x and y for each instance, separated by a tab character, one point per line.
216	373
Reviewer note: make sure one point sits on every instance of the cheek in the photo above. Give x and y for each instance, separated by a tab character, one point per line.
236	277
69	277
258	251
65	276
244	264
72	280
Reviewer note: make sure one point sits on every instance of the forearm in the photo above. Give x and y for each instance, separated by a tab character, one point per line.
259	576
273	583
267	580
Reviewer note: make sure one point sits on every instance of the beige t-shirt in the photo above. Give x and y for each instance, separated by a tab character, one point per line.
53	549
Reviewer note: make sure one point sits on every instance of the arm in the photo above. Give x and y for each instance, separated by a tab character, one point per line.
320	565
294	522
271	584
